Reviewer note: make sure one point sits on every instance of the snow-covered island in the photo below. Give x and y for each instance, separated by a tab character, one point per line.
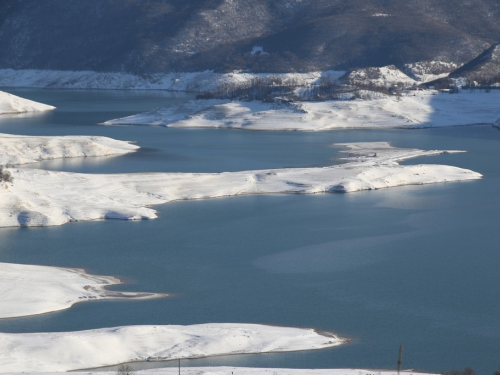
30	290
35	352
417	109
14	104
44	198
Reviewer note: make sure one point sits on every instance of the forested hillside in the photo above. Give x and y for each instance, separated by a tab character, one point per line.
147	36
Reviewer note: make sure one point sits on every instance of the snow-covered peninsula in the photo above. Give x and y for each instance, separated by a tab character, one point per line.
250	371
35	352
20	149
416	109
30	290
44	198
14	104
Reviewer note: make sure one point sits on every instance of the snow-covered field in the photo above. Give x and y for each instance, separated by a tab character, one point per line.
30	290
19	149
417	109
14	104
196	82
248	371
64	351
44	198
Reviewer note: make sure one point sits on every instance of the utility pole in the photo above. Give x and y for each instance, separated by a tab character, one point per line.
400	358
179	365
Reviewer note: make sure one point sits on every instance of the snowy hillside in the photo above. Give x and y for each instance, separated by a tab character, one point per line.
206	81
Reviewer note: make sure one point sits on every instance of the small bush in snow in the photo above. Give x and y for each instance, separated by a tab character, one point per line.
5	176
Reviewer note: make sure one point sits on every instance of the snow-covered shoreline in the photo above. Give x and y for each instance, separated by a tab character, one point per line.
247	371
416	109
10	104
31	290
21	149
46	198
206	81
36	352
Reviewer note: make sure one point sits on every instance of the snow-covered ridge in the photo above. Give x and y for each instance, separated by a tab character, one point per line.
207	81
34	352
30	290
250	371
426	71
45	198
383	76
416	109
19	149
14	104
409	74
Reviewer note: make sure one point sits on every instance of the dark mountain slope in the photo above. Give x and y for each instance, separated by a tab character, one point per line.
484	69
147	36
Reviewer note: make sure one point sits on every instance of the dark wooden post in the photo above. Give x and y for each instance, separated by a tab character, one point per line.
400	358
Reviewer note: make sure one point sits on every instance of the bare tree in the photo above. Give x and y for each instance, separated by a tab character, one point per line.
125	370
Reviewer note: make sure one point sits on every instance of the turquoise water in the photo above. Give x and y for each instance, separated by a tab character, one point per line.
415	265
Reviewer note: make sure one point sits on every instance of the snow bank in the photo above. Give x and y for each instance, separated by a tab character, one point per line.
44	198
418	109
196	82
64	351
18	149
14	104
251	371
30	290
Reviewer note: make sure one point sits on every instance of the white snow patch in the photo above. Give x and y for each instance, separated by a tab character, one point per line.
14	104
64	351
45	198
30	290
259	51
19	149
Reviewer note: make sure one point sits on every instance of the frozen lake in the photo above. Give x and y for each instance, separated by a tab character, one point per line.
413	265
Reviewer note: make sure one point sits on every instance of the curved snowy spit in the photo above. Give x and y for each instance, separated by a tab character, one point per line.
30	290
21	149
14	104
65	351
251	371
45	198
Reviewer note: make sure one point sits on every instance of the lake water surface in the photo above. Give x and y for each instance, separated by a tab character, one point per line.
416	265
